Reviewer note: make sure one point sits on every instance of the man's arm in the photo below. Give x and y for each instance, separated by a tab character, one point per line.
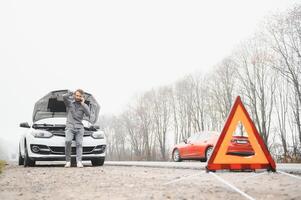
86	108
66	98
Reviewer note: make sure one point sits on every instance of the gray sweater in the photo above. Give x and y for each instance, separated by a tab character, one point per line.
75	111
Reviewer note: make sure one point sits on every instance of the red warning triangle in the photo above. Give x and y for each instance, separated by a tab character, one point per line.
245	152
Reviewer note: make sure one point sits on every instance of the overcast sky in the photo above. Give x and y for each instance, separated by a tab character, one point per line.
113	49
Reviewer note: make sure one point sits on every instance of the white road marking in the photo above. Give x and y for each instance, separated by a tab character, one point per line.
291	175
232	186
179	179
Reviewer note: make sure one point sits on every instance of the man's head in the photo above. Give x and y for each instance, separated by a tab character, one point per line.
78	95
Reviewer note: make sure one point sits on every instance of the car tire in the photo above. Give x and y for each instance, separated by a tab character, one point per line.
176	157
20	159
98	161
208	154
28	162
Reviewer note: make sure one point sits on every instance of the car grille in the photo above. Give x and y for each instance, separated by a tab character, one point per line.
62	133
61	150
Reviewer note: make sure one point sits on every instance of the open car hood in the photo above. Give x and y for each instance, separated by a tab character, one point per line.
52	105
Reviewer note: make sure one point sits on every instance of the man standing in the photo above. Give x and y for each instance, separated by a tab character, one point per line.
76	108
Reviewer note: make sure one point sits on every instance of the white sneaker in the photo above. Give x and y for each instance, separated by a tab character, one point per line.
68	164
80	164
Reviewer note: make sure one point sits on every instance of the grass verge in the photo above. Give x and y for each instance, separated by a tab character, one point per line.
2	164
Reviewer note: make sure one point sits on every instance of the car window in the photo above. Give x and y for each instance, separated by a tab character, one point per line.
197	137
192	138
204	136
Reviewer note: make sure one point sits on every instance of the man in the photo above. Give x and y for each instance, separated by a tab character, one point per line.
76	109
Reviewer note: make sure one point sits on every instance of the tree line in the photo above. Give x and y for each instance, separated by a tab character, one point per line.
265	70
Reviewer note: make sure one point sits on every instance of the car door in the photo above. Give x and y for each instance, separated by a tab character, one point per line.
189	150
200	145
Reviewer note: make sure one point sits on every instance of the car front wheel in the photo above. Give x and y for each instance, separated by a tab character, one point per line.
98	161
176	156
209	152
21	159
28	162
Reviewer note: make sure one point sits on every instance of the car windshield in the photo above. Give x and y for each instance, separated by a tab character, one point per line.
204	135
193	137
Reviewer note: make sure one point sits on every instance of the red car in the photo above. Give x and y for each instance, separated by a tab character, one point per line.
200	146
240	146
197	147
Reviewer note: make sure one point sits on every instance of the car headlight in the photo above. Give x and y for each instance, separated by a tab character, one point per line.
98	135
41	134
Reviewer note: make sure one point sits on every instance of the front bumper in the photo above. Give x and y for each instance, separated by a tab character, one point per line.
53	148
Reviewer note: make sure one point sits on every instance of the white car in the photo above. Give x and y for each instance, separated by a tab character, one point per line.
44	139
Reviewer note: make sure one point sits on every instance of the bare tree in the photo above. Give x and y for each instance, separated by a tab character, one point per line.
257	83
143	111
281	105
199	94
222	89
284	37
183	100
116	137
161	116
129	121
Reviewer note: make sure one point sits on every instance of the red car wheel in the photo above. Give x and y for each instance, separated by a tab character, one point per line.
176	156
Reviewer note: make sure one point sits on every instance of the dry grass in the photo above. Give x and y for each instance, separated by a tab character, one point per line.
2	164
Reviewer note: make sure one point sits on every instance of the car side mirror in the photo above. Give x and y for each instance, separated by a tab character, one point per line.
185	140
24	125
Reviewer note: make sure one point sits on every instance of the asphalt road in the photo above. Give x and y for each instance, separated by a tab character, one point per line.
145	180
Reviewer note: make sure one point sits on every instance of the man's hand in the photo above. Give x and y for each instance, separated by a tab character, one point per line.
83	101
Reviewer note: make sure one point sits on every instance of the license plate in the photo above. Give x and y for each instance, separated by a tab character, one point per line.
242	142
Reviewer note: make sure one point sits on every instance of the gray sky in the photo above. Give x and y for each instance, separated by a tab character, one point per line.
113	49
